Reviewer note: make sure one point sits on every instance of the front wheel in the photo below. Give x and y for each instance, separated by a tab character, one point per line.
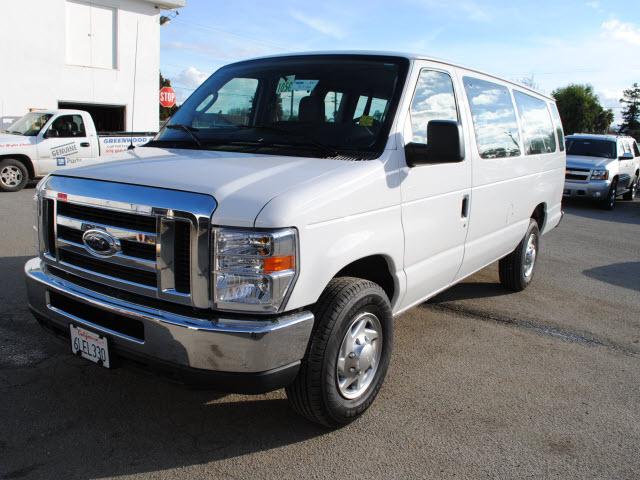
13	175
633	190
516	269
610	202
348	353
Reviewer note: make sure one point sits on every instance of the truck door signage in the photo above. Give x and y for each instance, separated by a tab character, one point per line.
64	150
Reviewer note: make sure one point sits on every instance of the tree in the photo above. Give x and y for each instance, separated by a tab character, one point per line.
580	110
631	111
604	119
166	112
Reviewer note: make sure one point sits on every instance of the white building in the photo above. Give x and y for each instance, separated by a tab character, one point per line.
81	54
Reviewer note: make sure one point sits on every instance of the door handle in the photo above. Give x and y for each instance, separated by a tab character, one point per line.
85	144
465	207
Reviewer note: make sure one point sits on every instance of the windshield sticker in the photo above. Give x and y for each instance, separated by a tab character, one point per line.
285	84
304	85
365	121
64	150
290	84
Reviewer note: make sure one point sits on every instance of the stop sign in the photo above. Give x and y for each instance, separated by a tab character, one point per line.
167	97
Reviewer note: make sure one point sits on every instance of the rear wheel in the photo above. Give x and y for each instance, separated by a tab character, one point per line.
516	269
348	353
13	175
633	189
610	202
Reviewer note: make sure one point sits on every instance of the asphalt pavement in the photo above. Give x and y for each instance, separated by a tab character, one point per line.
483	383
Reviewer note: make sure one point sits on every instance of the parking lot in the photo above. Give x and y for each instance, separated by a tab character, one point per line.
483	383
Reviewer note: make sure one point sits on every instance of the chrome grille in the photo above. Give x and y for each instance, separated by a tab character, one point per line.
162	237
577	174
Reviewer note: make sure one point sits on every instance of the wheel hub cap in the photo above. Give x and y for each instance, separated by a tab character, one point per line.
11	176
359	356
530	256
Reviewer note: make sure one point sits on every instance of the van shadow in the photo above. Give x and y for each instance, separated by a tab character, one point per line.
624	274
624	211
468	291
95	422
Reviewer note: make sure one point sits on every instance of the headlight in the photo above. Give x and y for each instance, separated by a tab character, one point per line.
253	270
599	174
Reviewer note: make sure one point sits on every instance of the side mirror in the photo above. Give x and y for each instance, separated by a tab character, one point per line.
626	156
445	145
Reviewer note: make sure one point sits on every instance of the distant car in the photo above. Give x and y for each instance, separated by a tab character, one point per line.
601	168
5	122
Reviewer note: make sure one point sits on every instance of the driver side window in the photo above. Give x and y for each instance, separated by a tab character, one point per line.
67	126
434	99
232	105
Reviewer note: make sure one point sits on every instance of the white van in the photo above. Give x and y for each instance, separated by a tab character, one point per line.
290	209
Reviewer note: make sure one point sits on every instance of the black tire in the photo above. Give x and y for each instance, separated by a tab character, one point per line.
315	393
13	175
610	202
633	189
512	269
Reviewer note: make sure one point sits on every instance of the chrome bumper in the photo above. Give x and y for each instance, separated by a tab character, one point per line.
248	345
597	189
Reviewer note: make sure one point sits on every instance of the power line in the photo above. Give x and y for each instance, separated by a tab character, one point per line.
233	34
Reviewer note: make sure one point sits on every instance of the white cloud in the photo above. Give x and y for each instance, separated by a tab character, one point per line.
191	77
622	31
323	26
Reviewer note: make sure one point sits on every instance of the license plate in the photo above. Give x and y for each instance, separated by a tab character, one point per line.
89	345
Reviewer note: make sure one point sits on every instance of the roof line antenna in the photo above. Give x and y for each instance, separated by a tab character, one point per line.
133	99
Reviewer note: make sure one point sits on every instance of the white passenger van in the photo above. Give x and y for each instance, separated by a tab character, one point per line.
293	206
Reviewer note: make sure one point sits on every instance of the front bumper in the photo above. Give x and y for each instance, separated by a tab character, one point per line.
250	355
594	189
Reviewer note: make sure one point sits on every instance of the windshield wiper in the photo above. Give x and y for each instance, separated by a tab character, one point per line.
185	128
329	151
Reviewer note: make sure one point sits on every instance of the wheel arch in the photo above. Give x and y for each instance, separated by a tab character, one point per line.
539	214
376	268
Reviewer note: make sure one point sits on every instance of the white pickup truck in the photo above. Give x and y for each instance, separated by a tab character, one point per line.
46	140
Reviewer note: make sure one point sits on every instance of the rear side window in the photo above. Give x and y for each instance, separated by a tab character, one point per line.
332	105
558	124
537	128
494	118
434	100
636	150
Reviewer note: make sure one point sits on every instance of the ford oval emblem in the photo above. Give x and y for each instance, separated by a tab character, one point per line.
100	243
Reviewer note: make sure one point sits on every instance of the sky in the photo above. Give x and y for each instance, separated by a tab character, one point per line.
555	43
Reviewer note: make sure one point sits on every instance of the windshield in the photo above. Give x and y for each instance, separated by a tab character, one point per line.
591	148
29	125
319	106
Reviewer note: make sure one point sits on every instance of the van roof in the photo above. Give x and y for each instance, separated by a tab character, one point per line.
597	136
408	56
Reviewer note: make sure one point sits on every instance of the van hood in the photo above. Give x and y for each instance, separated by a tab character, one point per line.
580	161
241	183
